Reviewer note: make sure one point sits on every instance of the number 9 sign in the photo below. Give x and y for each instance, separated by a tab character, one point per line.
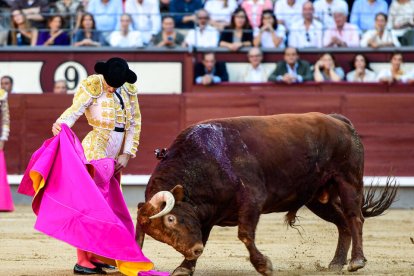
72	72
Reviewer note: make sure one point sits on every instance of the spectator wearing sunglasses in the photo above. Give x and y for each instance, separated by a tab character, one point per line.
307	32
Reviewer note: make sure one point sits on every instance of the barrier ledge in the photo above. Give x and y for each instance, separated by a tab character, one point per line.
142	180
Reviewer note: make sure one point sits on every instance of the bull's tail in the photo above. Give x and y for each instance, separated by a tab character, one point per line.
376	205
341	118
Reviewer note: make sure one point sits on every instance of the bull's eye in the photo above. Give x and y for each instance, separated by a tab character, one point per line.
170	220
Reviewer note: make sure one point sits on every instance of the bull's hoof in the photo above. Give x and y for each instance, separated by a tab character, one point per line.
335	266
354	265
183	271
269	268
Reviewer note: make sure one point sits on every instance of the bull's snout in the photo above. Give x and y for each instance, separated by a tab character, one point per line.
197	250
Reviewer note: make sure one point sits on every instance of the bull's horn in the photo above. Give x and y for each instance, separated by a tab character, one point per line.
158	199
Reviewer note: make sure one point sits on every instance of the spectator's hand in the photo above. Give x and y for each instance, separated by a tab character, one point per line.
318	65
1	145
359	71
236	46
56	128
189	18
207	80
122	162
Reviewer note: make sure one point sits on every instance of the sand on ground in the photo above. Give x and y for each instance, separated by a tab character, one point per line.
387	246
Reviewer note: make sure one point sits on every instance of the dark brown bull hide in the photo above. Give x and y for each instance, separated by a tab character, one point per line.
227	172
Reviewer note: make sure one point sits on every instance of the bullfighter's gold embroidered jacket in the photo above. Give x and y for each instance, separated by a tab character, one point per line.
102	112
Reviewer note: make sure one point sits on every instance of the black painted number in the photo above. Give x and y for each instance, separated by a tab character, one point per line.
71	77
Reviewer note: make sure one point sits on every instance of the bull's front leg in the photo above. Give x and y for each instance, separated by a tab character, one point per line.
187	267
248	219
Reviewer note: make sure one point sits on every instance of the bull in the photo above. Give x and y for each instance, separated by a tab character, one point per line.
227	172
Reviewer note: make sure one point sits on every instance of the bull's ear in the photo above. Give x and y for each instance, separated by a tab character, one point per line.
140	205
178	193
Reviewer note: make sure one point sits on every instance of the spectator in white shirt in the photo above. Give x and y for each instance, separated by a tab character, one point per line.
306	32
204	35
344	34
380	36
288	11
395	72
270	34
145	16
324	11
220	12
255	71
401	16
361	71
125	37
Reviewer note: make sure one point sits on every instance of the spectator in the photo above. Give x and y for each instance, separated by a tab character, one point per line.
60	87
254	9
106	13
292	69
326	70
324	11
87	35
344	34
270	34
380	37
55	36
395	72
209	71
35	11
306	32
6	83
125	37
364	11
255	72
145	16
21	33
401	16
360	70
220	12
168	37
184	12
80	11
68	9
288	11
204	35
239	34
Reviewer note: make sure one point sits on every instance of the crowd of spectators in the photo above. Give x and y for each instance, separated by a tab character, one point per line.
295	70
232	24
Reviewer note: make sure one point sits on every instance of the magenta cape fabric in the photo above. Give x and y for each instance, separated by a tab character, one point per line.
89	214
6	200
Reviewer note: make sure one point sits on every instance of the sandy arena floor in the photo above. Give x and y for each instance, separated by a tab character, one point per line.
387	244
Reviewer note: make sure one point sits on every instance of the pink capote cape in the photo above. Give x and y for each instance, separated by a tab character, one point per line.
88	213
6	200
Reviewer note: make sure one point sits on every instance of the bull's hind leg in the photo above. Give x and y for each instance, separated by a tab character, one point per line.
249	214
351	200
332	212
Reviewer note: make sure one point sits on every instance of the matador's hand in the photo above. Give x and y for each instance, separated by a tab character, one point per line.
122	162
1	145
56	129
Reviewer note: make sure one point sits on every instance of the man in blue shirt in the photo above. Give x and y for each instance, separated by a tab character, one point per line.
183	12
106	14
364	11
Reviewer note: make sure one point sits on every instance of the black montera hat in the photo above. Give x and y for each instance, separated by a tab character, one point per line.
116	72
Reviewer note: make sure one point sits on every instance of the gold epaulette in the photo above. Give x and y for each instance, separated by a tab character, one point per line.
93	86
131	89
3	94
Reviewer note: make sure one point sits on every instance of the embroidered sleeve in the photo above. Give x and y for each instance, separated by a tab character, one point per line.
5	117
81	101
134	131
